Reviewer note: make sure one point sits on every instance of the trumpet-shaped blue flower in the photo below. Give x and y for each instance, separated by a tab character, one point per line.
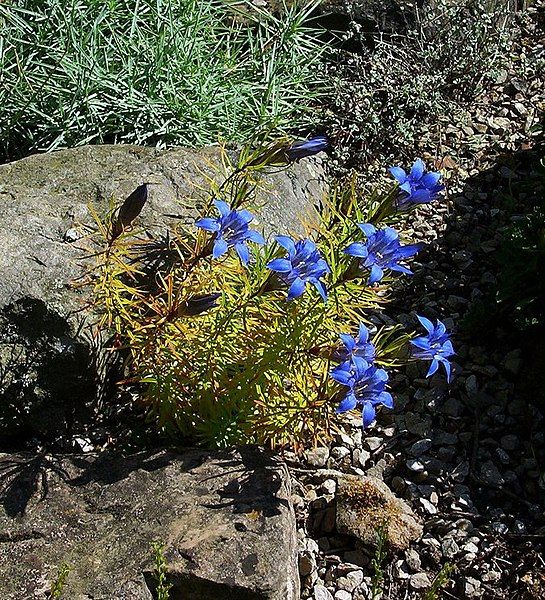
360	347
304	264
307	147
231	230
381	251
435	346
418	186
366	385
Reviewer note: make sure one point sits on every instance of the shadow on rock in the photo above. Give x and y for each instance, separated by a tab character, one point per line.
48	378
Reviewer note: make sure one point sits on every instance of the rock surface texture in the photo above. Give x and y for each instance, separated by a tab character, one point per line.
226	521
44	206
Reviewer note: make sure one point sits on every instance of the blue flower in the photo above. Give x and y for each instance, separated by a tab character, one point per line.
304	264
367	388
307	147
359	347
381	251
435	346
231	229
418	187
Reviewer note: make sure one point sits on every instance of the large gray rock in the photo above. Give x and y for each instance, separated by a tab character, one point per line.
48	375
226	520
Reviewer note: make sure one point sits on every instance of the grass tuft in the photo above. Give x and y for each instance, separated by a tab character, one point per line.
154	72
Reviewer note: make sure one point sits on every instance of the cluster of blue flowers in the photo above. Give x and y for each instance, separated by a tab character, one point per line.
379	252
366	383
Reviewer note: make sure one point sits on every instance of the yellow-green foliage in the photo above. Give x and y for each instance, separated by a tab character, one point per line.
255	368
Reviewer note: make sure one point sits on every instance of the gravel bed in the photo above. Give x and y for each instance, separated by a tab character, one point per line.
469	458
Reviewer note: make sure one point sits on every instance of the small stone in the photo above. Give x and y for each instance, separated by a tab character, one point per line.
471	548
360	457
412	558
401	569
509	442
372	443
307	564
339	452
350	581
428	506
363	502
72	235
449	548
513	361
471	587
489	575
414	465
452	407
317	457
420	581
491	474
322	593
420	447
343	439
329	486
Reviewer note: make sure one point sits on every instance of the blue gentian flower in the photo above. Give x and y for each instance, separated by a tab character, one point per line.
381	251
435	346
359	347
307	147
367	388
418	187
231	229
304	264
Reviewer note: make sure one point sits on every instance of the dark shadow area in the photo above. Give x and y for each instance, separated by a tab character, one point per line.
485	277
257	470
47	376
23	476
191	587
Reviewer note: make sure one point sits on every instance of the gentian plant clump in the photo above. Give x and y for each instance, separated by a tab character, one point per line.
238	340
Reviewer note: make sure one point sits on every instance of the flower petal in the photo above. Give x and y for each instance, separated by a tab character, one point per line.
431	179
426	323
319	285
296	288
348	341
368	414
385	398
367	228
357	249
222	207
255	236
280	265
433	367
363	335
417	169
409	250
208	223
348	403
398	173
243	252
447	366
287	243
220	248
376	274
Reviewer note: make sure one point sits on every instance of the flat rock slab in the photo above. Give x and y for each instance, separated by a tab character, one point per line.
225	518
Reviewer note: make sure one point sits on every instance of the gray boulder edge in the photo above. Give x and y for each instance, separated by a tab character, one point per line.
226	520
